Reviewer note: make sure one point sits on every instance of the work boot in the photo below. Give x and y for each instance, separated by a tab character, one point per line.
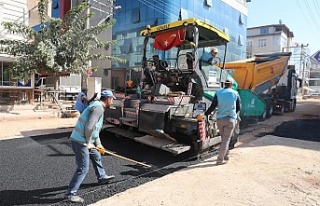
226	158
74	199
105	180
220	162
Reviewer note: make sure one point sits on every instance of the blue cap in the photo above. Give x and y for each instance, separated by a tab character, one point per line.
107	94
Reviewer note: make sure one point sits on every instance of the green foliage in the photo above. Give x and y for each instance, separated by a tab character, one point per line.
63	45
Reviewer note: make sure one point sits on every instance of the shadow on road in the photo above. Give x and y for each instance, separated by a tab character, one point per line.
38	196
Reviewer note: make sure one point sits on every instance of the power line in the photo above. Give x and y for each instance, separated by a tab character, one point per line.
317	7
306	17
313	18
164	12
178	7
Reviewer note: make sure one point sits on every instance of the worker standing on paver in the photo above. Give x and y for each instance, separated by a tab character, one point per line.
84	140
82	101
211	57
228	103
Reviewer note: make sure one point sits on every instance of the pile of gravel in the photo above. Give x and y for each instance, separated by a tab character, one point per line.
303	129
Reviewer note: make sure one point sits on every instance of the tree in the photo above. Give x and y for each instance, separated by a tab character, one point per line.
62	46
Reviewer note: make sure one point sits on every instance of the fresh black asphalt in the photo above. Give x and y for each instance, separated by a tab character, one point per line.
37	170
303	129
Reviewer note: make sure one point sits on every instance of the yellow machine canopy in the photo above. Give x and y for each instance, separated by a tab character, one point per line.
181	34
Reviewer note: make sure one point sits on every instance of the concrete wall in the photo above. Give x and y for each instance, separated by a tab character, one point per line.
33	11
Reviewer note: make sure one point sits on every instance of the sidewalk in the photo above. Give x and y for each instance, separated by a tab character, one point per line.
23	121
26	114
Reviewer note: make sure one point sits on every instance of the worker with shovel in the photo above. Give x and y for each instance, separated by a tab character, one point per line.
85	141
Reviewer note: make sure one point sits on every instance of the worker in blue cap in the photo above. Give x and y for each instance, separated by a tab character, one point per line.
228	104
211	57
85	141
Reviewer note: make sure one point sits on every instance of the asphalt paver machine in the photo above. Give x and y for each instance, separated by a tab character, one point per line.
175	89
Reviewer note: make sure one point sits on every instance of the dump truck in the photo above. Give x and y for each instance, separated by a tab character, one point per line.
266	84
172	94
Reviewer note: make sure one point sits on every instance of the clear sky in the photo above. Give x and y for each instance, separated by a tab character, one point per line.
302	17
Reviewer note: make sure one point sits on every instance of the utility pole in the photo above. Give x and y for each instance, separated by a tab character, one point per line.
302	61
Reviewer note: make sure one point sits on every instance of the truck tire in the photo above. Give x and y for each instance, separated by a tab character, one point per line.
282	110
263	116
270	110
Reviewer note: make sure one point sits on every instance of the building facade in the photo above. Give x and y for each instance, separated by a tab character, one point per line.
12	90
314	73
269	38
103	10
227	15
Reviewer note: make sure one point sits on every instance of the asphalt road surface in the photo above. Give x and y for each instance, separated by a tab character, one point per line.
303	129
37	170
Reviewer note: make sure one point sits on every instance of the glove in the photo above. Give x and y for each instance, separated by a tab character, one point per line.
101	150
90	145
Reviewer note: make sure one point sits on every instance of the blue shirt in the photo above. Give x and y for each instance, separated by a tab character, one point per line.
206	56
228	102
81	105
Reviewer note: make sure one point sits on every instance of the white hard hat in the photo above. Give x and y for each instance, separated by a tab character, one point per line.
229	81
214	49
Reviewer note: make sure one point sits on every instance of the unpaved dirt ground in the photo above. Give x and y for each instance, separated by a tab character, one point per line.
263	170
32	127
266	172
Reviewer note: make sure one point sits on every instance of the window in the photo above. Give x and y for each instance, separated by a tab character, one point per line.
240	20
155	23
208	3
264	30
127	46
277	29
276	41
262	43
5	74
183	14
135	15
55	5
249	55
249	44
239	40
226	30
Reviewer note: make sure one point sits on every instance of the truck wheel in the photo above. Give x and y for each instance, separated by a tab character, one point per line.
270	111
263	116
281	112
